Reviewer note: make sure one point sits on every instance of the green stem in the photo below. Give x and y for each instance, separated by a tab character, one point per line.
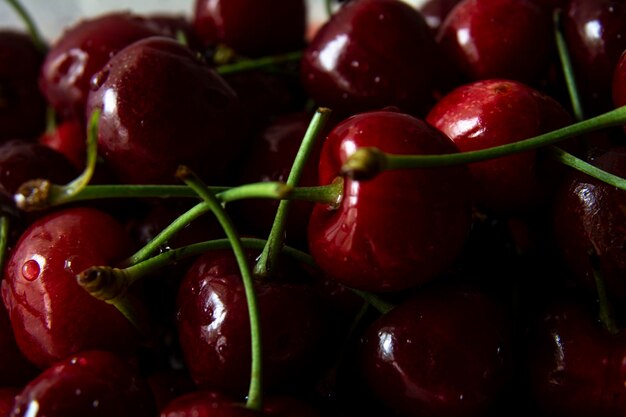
268	257
33	31
38	194
585	167
566	64
259	63
606	315
329	8
4	239
382	306
255	392
367	162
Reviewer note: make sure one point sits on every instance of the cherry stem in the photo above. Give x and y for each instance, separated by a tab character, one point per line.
4	239
259	63
382	306
255	391
367	162
40	193
329	8
586	168
31	27
606	315
276	239
566	64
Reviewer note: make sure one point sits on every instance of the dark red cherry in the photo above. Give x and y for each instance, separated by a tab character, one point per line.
206	404
576	367
176	27
489	113
595	32
214	329
22	106
88	384
443	352
590	221
22	160
511	39
7	397
15	370
81	51
68	138
162	107
618	86
372	54
435	11
400	229
51	315
251	27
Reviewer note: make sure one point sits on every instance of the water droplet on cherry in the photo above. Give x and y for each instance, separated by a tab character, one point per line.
31	270
98	79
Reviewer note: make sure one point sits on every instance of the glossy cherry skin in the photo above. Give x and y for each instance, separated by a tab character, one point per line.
508	39
146	131
399	229
22	106
81	51
90	383
372	54
576	367
250	27
435	11
595	30
489	113
589	220
206	404
7	397
443	352
618	86
51	315
214	329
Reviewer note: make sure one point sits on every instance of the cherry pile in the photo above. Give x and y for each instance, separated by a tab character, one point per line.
413	211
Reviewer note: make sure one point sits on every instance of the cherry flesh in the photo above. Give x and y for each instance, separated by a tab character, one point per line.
250	27
90	383
489	113
372	54
380	237
145	133
51	315
22	106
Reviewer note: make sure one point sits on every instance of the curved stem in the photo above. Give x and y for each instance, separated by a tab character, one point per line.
382	306
4	239
259	63
255	392
585	167
276	238
33	31
606	314
566	64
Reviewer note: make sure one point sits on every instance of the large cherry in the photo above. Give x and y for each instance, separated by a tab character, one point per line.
510	39
400	229
88	384
443	352
162	107
496	112
51	315
214	329
22	106
372	54
80	52
251	27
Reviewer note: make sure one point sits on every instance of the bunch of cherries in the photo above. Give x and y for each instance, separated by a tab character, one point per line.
411	211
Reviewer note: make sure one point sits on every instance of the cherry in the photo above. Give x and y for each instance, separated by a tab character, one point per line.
51	315
595	31
250	27
206	404
214	328
618	86
372	54
484	41
589	222
81	51
144	131
489	113
69	139
380	236
90	383
22	106
7	397
15	370
576	367
174	26
435	11
443	352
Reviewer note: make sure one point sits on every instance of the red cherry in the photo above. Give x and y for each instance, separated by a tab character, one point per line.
7	398
618	87
400	229
444	352
509	39
69	139
15	370
51	315
206	404
214	329
145	132
81	51
372	54
489	113
251	27
435	11
92	383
